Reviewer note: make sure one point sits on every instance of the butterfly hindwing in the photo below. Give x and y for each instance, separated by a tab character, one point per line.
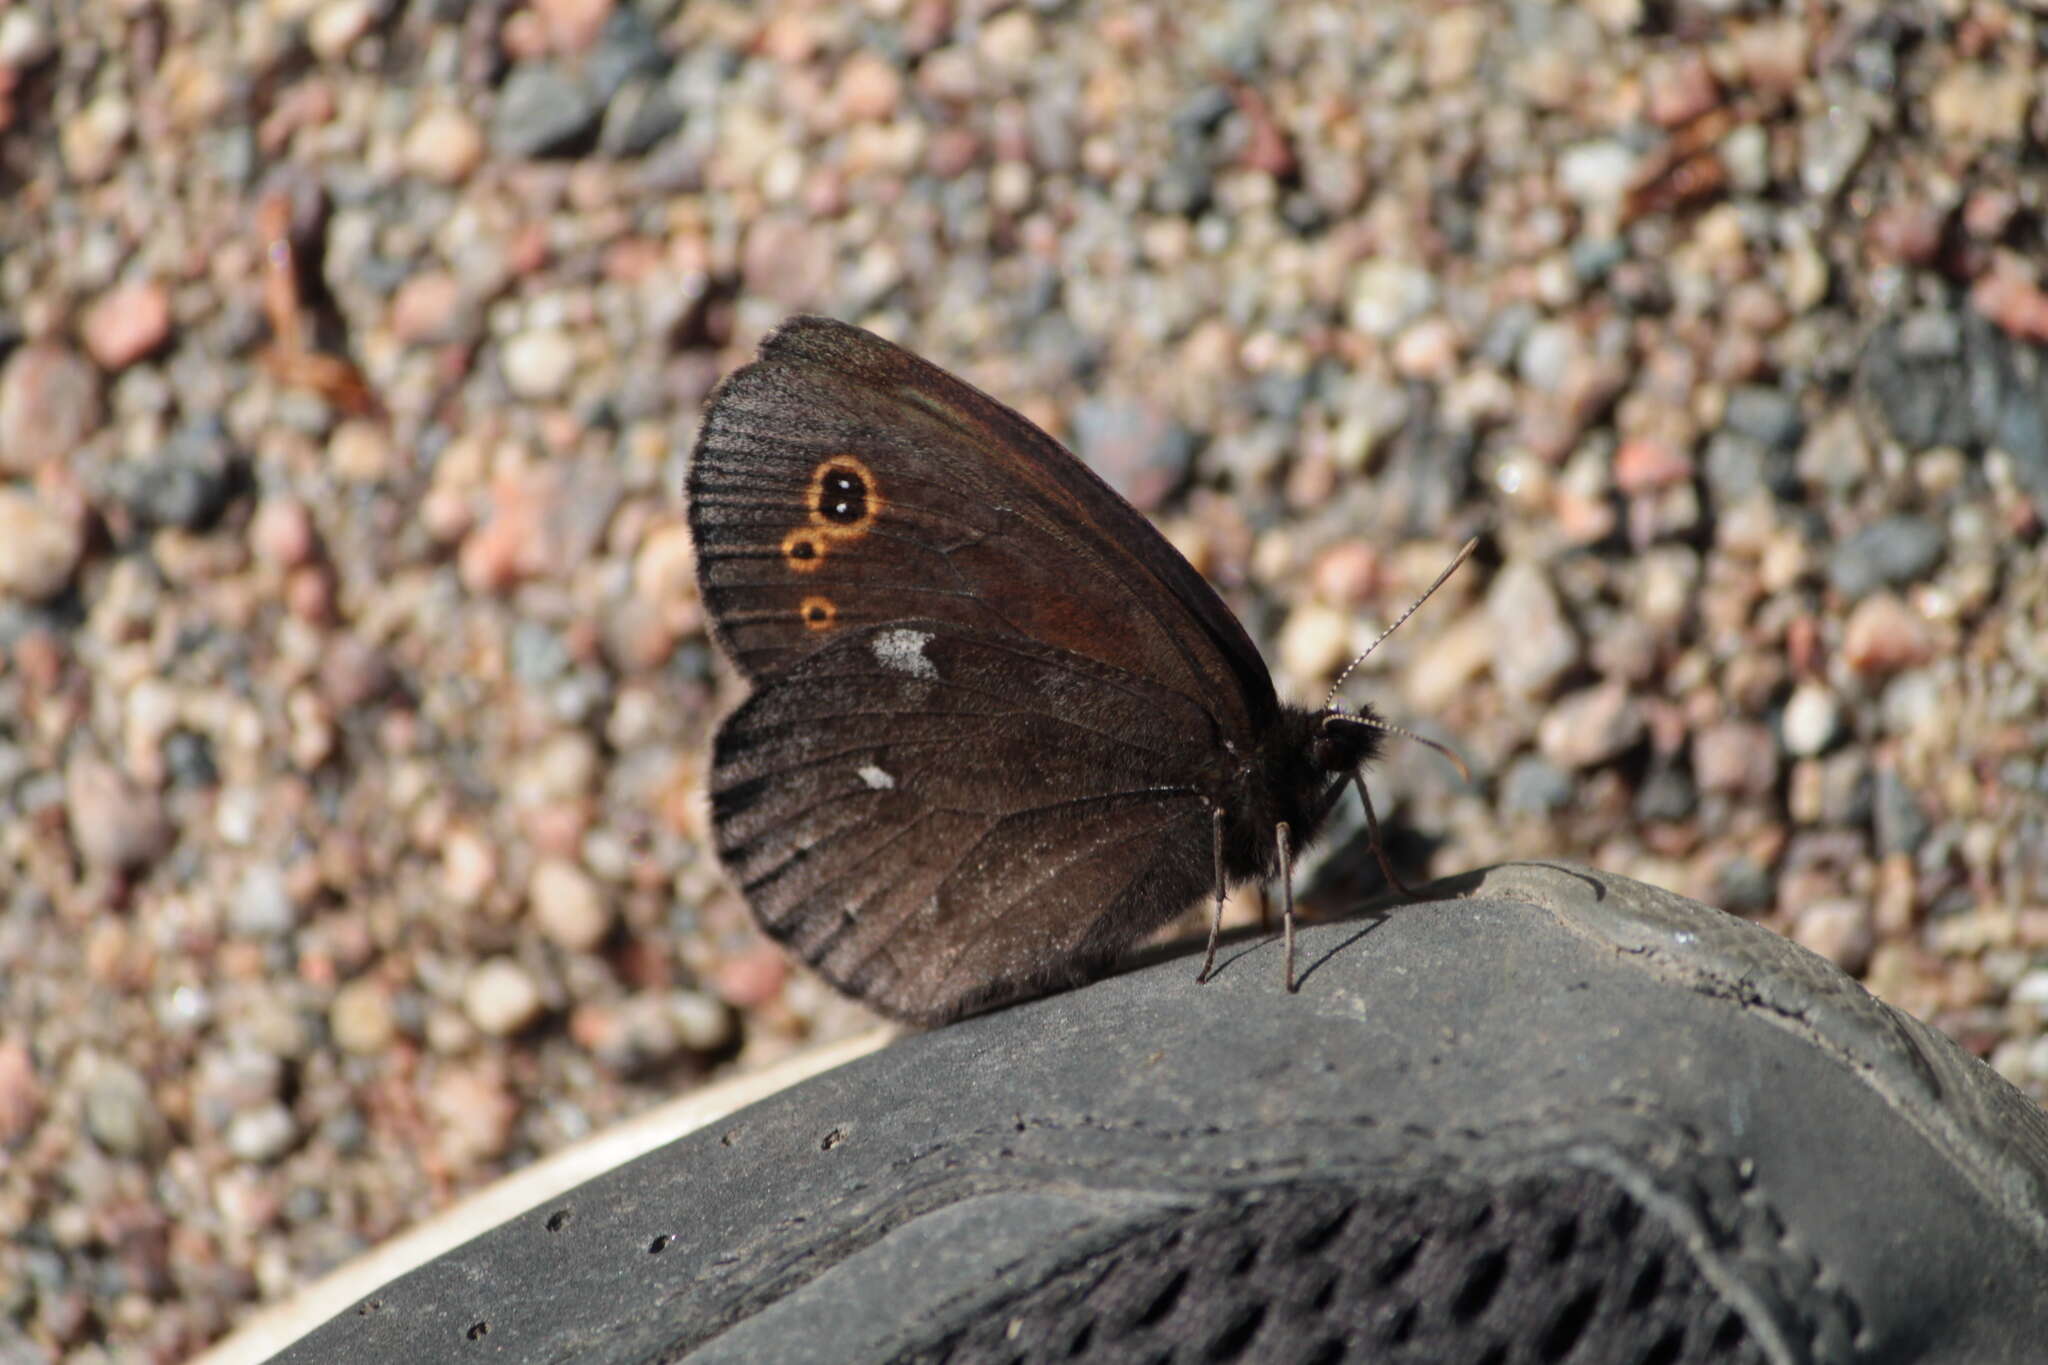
936	817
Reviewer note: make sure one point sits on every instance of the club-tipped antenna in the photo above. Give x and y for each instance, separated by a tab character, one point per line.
1386	728
1427	593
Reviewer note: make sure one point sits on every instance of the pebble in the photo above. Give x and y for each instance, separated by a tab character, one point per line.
1590	727
127	323
120	1113
1667	793
1315	642
354	673
1534	645
539	363
542	110
1813	718
24	39
1839	930
569	906
21	1092
49	405
1899	824
1893	552
1535	786
338	25
703	1023
444	146
262	905
474	1114
116	825
469	867
868	88
263	1134
1644	466
1444	666
361	1017
1137	446
1735	758
1981	104
573	25
282	534
40	548
1884	634
428	307
1836	454
188	484
1767	416
1009	41
1387	295
501	997
1596	174
95	136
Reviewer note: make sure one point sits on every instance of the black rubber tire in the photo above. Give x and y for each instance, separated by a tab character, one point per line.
1548	1115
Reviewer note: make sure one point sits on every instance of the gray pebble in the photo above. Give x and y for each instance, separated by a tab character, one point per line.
1897	821
1770	416
1533	785
1666	793
1737	467
1890	553
543	110
188	484
627	50
1743	886
637	119
1845	788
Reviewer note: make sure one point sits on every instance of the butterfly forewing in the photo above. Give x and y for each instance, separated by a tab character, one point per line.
840	481
936	817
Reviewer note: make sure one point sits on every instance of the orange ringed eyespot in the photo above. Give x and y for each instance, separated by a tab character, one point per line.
803	551
844	498
818	613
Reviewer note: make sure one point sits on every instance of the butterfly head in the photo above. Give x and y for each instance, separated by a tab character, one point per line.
1345	742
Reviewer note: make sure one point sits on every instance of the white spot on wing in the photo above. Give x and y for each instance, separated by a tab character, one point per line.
876	779
902	651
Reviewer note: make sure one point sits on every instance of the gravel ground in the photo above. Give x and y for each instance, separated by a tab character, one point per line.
353	687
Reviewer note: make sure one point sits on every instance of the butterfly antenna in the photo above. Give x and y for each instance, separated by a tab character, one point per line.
1375	723
1427	593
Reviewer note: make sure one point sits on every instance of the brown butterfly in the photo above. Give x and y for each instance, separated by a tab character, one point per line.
1000	729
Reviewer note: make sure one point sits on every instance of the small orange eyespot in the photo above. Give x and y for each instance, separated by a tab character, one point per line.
803	551
818	613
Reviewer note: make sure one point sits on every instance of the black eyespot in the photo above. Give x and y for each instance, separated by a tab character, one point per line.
803	549
844	497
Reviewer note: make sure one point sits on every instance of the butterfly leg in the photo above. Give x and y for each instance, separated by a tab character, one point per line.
1216	919
1287	899
1379	849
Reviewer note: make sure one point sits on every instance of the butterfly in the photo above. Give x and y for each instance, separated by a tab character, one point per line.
999	728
